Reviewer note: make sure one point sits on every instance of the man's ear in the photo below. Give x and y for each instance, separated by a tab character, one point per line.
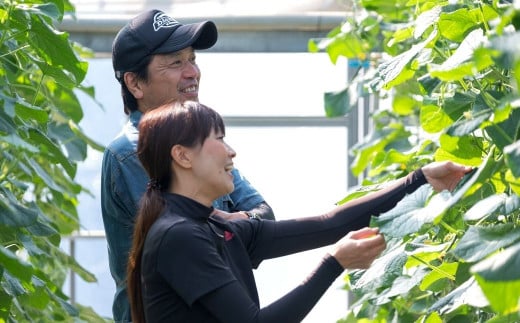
181	155
133	84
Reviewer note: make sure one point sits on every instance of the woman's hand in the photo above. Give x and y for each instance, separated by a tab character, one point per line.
444	175
358	249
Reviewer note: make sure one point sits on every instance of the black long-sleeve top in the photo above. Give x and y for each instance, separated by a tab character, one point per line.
197	268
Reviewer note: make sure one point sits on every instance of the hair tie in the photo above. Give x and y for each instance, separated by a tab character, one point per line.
153	184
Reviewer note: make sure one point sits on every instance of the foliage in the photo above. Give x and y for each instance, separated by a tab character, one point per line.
40	146
451	69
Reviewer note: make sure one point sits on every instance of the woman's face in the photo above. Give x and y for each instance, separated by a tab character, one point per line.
212	165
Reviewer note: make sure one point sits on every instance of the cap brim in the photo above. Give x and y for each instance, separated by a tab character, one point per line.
202	35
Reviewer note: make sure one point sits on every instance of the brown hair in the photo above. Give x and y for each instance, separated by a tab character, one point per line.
187	124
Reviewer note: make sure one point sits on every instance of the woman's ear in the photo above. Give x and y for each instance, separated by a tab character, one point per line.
133	84
181	156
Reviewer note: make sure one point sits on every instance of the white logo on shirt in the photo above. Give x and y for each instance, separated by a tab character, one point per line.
161	20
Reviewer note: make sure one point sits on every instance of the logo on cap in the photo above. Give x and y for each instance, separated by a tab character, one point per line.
161	20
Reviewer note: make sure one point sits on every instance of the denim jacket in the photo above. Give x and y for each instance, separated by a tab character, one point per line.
123	182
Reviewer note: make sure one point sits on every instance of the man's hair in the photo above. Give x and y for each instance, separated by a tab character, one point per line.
141	73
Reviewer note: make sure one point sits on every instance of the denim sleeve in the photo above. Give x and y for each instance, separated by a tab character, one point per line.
244	196
123	181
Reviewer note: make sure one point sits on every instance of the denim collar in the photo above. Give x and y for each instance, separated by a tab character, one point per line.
135	117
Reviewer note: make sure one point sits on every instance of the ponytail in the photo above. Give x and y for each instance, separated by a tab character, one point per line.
150	209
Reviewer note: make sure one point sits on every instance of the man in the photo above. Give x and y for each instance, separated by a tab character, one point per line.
154	61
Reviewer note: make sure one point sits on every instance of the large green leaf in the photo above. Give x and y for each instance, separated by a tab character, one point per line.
456	24
499	278
460	64
52	152
493	205
76	148
466	150
479	242
388	72
55	47
433	119
411	213
339	103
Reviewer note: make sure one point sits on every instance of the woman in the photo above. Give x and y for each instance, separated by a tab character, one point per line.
187	265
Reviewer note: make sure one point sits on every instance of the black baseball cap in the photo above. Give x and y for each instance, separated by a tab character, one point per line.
154	32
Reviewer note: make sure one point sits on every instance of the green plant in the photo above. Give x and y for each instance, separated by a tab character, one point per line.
40	146
451	69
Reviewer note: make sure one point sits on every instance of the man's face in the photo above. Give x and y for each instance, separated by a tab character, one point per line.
172	76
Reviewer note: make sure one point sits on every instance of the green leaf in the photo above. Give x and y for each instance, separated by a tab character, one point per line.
38	298
337	103
446	270
403	104
66	102
423	253
7	125
76	148
460	65
467	293
465	150
376	141
383	271
502	266
508	47
30	112
470	123
499	278
491	205
507	132
478	242
455	105
15	214
80	134
390	70
512	157
55	48
410	214
46	9
17	267
426	20
393	9
13	285
455	25
52	152
403	284
433	119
